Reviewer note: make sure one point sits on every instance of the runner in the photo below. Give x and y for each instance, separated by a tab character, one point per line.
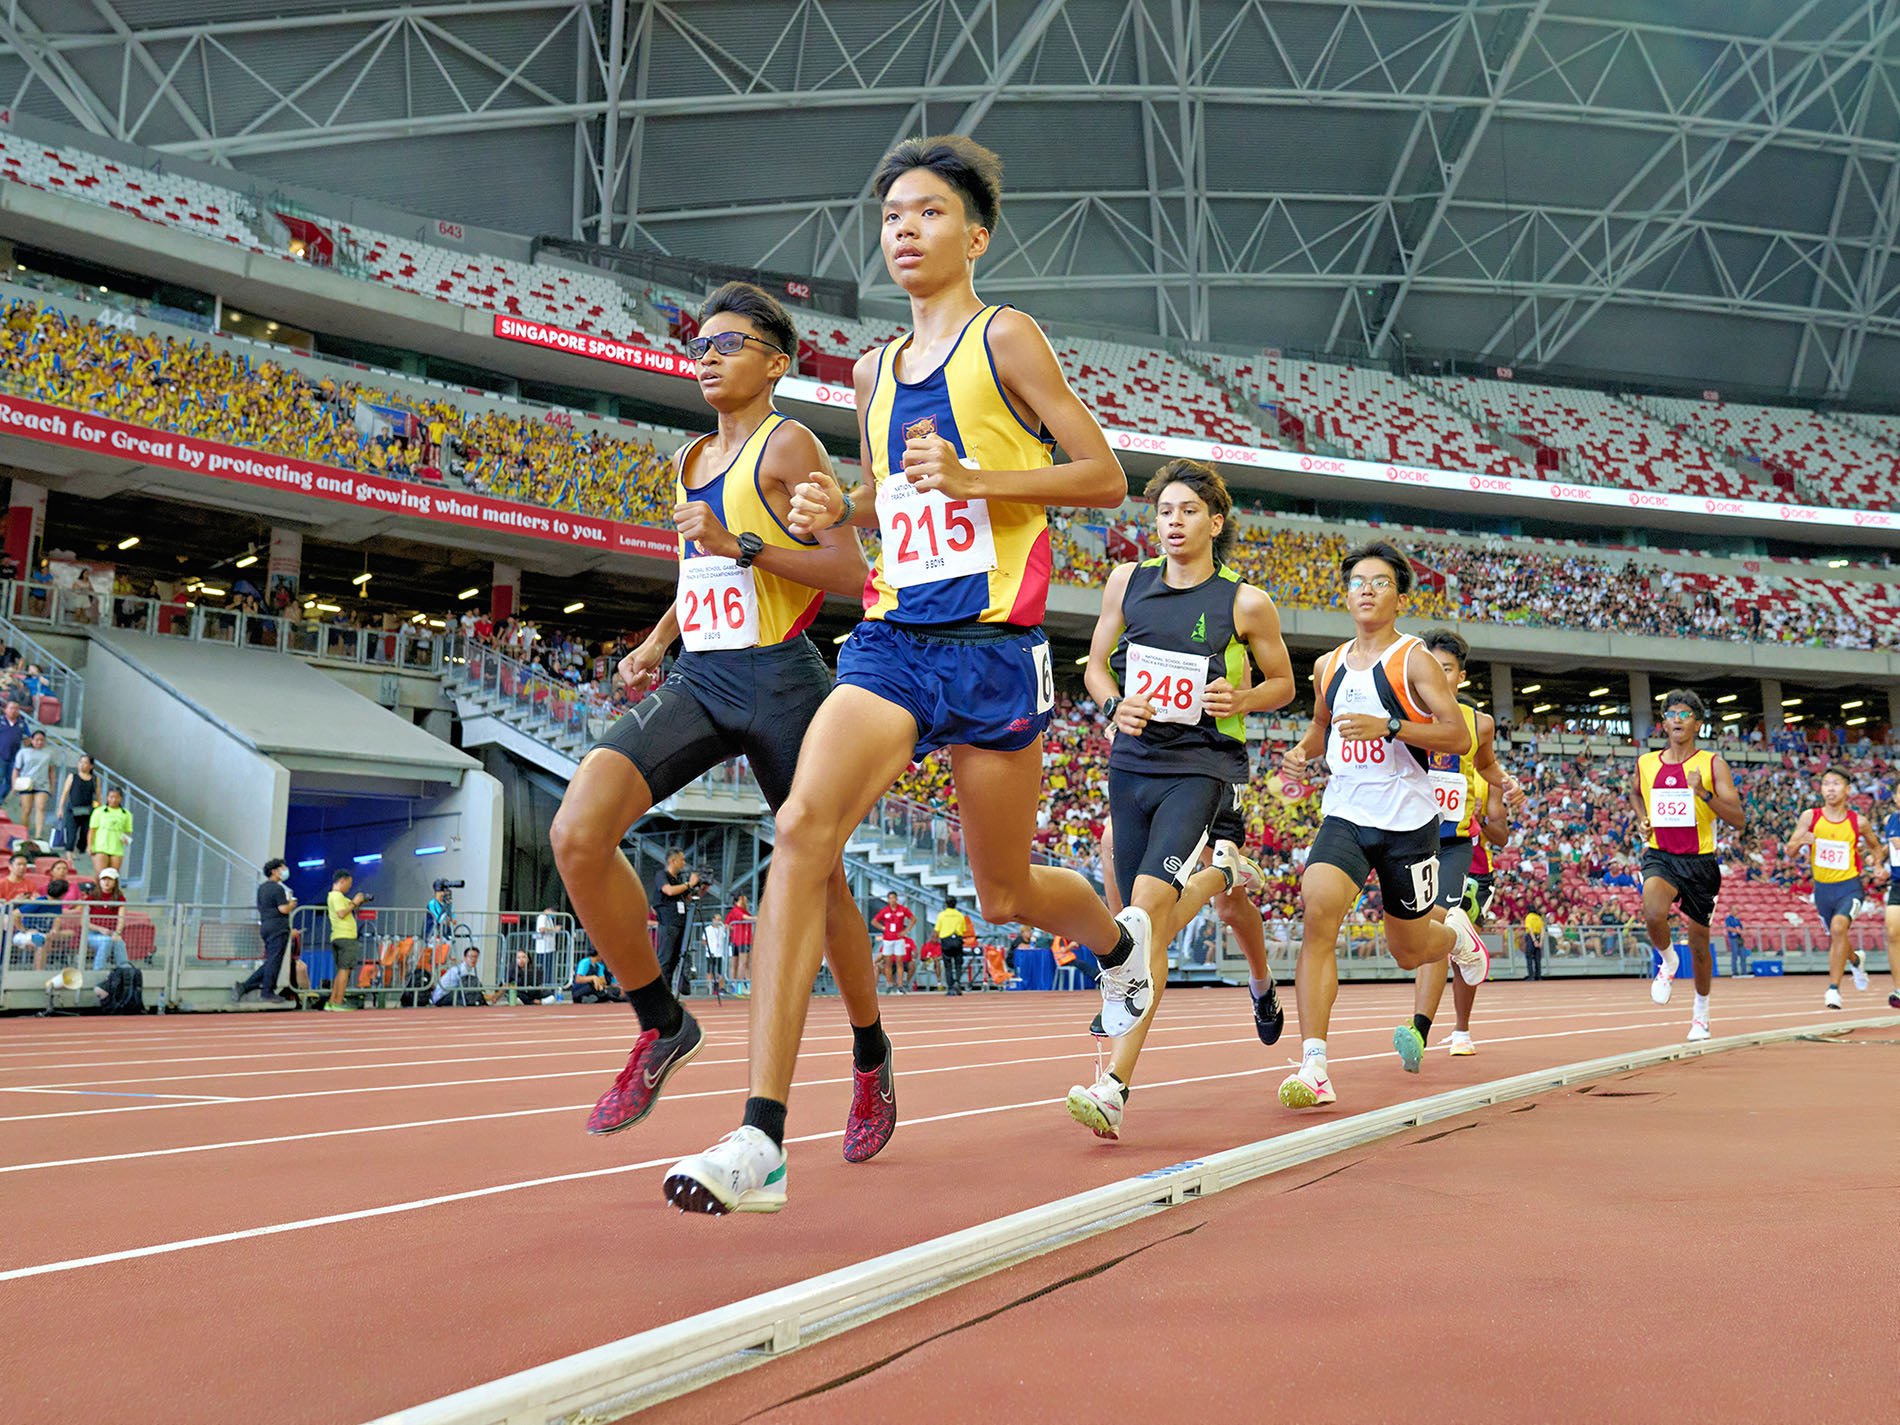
957	420
1892	833
1179	748
1677	794
748	683
1382	706
892	920
1835	838
739	934
1472	795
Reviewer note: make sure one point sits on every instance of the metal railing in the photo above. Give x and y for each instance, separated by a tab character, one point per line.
63	686
549	709
412	647
44	937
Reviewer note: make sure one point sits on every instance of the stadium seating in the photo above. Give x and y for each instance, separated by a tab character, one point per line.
1819	460
1374	415
1595	438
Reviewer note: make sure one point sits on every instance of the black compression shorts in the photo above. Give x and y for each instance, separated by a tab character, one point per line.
1454	869
1697	879
1161	825
755	702
1406	862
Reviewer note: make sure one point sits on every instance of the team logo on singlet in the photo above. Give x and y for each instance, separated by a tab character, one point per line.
922	426
1200	629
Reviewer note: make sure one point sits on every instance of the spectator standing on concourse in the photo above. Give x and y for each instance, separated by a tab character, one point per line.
274	906
344	946
13	732
109	832
78	795
673	889
33	781
1737	951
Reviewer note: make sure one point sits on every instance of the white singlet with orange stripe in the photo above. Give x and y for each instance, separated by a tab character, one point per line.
1379	784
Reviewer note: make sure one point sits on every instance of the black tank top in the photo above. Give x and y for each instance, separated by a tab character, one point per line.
84	789
1197	620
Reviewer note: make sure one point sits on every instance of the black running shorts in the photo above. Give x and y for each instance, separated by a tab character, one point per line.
1454	869
1229	825
1406	862
1697	881
715	706
1161	825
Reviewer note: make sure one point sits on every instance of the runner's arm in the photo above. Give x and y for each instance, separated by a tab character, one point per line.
1027	369
1099	678
1258	622
818	499
1312	743
1446	730
1637	804
836	565
1803	833
1726	801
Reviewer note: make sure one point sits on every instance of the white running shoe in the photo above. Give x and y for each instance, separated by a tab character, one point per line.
742	1172
1244	873
1098	1106
1860	970
1698	1030
1471	958
1310	1087
1664	984
1833	1000
1127	994
1461	1045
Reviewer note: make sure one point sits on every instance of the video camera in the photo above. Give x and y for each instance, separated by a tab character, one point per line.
440	886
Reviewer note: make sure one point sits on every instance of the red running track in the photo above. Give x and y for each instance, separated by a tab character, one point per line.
324	1218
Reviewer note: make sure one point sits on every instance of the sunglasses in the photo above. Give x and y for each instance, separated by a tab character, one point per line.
726	344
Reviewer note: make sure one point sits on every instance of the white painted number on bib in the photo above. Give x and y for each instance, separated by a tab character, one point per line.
1671	807
718	605
1045	678
1832	854
1450	789
929	538
1173	682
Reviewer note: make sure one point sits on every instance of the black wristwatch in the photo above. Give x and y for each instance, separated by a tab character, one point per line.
1392	726
750	548
1108	709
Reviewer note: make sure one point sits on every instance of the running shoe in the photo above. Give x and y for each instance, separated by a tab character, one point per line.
1098	1106
1664	984
650	1064
1410	1045
742	1172
1833	1000
1698	1030
1241	872
1095	1026
341	1008
1860	970
1471	957
1461	1045
873	1117
1127	993
1893	1000
1269	1018
1309	1088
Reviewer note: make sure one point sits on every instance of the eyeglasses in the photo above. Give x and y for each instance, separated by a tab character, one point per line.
1678	715
1378	583
726	344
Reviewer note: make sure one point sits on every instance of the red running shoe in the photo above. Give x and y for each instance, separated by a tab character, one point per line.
638	1086
873	1110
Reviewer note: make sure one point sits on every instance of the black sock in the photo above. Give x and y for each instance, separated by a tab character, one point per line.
653	1002
1124	947
869	1047
768	1116
1423	1024
1120	1083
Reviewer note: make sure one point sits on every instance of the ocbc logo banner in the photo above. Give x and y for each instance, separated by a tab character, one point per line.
1322	465
1408	475
1130	440
1645	500
1573	492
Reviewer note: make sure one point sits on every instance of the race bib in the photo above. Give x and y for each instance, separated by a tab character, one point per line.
1893	853
718	605
1450	790
1173	682
1671	807
1833	854
1045	678
929	538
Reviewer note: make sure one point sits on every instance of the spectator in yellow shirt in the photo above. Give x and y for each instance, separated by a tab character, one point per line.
954	932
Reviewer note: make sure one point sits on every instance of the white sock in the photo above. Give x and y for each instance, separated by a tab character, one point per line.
1259	987
1461	1034
1313	1049
1701	1006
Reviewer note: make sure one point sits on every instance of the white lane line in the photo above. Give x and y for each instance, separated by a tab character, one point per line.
109	1093
1146	1087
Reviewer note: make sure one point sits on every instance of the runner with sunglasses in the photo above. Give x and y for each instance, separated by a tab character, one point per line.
1677	794
958	421
747	684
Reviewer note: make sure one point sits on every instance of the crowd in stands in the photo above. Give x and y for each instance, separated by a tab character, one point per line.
225	393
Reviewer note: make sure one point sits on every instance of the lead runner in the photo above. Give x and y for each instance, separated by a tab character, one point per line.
957	419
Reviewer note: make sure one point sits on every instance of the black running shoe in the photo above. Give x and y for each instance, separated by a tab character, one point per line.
1095	1026
1269	1019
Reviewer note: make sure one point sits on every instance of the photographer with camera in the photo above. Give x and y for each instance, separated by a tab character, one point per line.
343	942
674	890
440	921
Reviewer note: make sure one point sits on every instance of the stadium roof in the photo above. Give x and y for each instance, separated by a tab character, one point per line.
1703	190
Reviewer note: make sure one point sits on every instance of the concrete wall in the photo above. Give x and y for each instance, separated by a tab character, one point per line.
183	758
